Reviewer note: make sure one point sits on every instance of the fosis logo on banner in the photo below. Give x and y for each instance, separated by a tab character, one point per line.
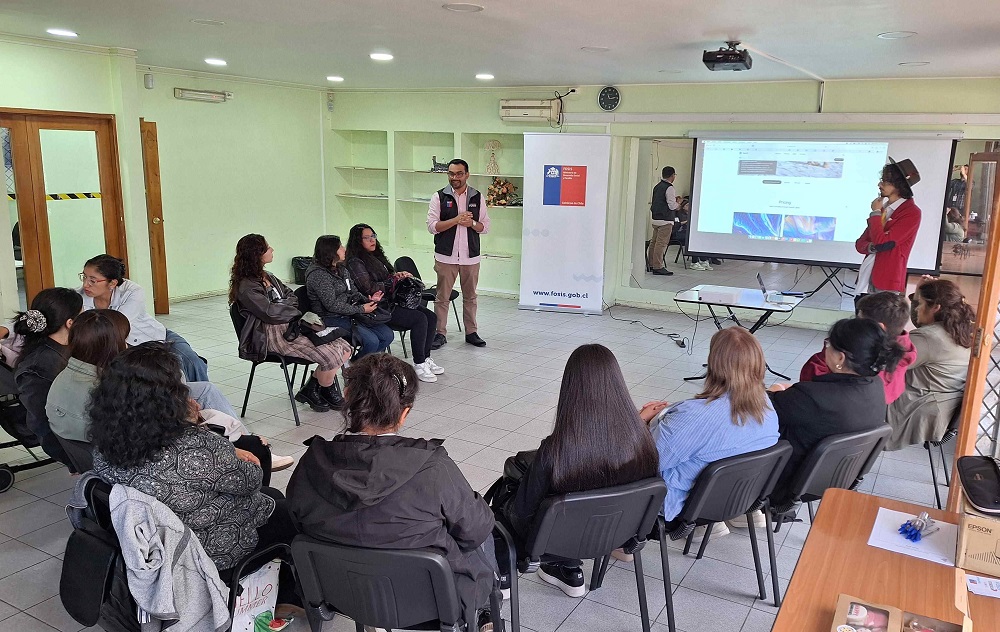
564	185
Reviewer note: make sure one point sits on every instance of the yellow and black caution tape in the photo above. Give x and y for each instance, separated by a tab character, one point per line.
63	196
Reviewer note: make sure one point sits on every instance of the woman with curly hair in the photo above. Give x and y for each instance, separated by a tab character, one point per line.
149	439
269	306
105	287
372	487
935	382
97	337
373	273
45	330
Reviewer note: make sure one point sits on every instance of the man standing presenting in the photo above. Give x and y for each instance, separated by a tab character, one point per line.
457	217
892	229
663	208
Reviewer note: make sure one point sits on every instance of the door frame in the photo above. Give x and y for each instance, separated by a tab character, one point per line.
154	216
25	126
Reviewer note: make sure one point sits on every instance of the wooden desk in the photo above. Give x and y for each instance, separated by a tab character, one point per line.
836	559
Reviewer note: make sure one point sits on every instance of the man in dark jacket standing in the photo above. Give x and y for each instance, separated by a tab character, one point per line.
663	208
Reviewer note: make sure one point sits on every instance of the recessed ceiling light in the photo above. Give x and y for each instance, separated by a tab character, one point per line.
484	76
462	7
890	35
914	63
381	56
335	78
207	22
61	32
211	61
595	49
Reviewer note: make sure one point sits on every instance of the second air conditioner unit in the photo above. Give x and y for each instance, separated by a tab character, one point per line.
546	110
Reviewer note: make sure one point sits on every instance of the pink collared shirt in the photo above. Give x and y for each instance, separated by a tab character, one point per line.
460	253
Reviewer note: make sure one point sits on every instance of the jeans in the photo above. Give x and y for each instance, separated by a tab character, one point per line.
195	369
372	337
211	398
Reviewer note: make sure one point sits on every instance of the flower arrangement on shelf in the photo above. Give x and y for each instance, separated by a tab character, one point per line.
501	193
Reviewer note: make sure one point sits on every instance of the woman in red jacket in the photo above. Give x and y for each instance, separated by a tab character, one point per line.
892	229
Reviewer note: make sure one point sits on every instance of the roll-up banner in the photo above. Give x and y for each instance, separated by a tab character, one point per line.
565	213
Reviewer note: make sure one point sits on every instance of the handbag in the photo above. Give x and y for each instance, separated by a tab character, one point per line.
980	476
501	493
380	316
407	292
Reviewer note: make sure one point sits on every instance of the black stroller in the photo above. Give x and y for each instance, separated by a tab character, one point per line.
12	420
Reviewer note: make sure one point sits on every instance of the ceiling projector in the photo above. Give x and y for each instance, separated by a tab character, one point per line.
727	58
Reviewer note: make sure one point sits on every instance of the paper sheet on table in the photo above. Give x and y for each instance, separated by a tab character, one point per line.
984	586
938	547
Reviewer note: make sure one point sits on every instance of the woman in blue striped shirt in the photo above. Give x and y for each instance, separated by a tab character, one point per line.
731	416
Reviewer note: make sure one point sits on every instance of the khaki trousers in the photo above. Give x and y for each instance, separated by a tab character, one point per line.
468	277
658	245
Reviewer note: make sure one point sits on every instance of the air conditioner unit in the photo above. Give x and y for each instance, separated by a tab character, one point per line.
527	110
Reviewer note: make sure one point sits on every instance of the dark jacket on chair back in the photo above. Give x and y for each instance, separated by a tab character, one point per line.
835	403
396	493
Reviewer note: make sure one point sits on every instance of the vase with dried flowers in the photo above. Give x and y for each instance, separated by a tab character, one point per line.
501	193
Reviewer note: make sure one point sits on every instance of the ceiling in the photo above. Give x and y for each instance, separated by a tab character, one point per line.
529	42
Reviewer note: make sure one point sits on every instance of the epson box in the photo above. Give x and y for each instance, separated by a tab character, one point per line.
978	541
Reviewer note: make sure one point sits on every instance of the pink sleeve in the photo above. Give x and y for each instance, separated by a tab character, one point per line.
433	214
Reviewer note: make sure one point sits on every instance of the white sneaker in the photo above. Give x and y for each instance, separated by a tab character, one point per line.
279	463
424	373
706	266
435	369
697	266
740	522
719	529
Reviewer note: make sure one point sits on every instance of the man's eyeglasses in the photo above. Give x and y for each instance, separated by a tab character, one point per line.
91	280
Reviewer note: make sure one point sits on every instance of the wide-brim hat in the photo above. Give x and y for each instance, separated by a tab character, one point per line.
907	172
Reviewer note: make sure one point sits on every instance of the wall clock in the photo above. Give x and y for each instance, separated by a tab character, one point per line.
609	98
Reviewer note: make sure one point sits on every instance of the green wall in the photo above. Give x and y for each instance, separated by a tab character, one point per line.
250	165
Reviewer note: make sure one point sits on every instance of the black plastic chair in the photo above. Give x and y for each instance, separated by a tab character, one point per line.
406	264
836	462
590	525
272	358
117	607
731	487
948	435
383	588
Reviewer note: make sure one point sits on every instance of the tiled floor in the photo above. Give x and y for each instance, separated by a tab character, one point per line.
490	403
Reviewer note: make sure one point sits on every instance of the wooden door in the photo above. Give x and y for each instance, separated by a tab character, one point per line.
154	216
68	193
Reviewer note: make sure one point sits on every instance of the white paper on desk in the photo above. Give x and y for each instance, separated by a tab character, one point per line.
938	547
984	586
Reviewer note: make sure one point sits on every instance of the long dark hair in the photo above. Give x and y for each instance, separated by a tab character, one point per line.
247	264
325	253
867	348
598	440
139	406
98	336
955	315
50	309
356	248
379	387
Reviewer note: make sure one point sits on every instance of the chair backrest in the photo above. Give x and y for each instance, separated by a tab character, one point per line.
239	320
836	461
80	453
7	384
302	296
406	264
731	487
384	588
591	524
98	495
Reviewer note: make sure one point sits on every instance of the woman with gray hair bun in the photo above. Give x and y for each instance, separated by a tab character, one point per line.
45	328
